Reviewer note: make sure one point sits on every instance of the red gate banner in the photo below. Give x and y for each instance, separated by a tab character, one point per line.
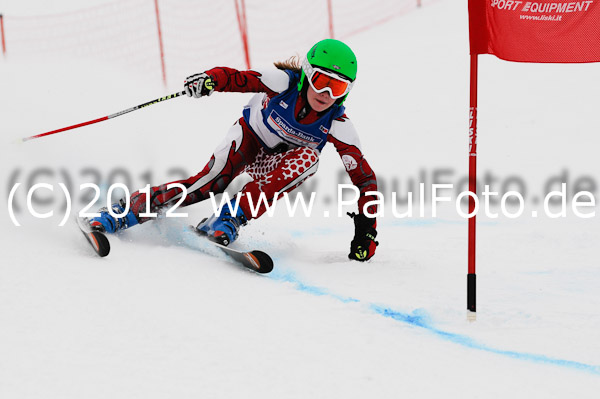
536	31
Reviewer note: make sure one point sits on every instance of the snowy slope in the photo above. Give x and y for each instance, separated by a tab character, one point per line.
159	318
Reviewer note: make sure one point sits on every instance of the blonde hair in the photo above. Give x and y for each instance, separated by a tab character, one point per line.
292	63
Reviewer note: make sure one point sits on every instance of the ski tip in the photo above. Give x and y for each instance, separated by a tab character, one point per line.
99	242
263	261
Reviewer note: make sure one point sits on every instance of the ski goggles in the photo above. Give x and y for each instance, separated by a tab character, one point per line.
321	80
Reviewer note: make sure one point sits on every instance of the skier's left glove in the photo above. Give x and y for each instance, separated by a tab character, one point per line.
199	85
362	247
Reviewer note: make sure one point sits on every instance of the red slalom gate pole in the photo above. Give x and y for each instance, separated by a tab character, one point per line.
471	279
104	118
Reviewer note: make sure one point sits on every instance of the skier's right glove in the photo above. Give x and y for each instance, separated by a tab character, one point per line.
199	85
362	247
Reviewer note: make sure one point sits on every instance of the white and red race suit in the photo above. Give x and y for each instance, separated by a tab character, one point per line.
277	142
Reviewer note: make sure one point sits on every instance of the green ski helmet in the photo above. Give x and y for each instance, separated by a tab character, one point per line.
333	56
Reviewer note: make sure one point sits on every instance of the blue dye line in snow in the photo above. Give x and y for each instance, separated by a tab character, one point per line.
289	277
419	318
418	321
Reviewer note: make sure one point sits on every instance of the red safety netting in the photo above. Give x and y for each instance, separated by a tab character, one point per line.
176	38
200	34
351	17
280	29
121	33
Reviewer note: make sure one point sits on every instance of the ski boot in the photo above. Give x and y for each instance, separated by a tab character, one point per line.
223	228
107	223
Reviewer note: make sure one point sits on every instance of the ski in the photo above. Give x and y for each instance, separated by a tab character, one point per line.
257	261
96	239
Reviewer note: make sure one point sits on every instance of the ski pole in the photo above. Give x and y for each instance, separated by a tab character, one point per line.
37	136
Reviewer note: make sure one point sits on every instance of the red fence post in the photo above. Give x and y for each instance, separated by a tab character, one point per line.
2	34
160	44
243	26
330	13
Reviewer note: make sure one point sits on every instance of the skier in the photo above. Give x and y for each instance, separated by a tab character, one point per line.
277	141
